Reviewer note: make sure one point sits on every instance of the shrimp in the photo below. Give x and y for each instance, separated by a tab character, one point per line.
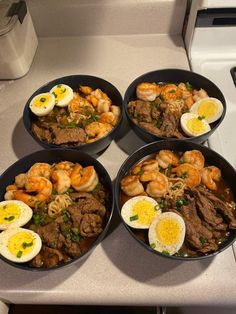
80	105
185	92
166	158
41	185
96	130
86	90
65	165
39	169
149	176
148	165
158	187
84	179
194	158
20	180
131	186
190	175
147	91
189	102
107	117
171	92
116	111
61	180
210	175
100	100
199	94
9	195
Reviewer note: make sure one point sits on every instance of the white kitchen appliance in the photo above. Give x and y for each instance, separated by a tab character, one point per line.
18	40
210	40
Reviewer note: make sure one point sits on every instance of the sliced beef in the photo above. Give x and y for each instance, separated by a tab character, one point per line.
169	126
151	128
207	210
87	203
47	258
75	214
141	110
155	113
42	133
72	248
220	205
91	225
51	236
67	136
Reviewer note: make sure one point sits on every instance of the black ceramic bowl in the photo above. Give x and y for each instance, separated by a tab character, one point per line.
173	76
51	156
74	81
211	158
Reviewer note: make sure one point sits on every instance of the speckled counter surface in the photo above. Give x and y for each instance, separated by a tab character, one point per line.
118	271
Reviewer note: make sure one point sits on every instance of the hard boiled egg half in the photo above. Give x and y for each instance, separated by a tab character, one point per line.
14	214
139	211
19	245
166	233
210	108
63	94
42	104
193	124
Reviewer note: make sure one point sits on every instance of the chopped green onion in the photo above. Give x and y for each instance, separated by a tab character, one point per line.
140	172
165	252
201	117
157	207
70	190
153	245
19	254
132	218
172	91
189	86
25	244
184	175
202	240
55	95
10	218
42	99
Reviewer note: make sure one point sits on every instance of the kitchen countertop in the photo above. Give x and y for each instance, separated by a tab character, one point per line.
118	271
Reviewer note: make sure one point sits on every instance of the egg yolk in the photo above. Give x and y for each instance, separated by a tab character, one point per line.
207	109
9	213
41	101
145	212
195	126
168	231
21	243
60	92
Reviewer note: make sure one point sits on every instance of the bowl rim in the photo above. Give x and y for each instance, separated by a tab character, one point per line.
27	112
101	236
189	138
120	175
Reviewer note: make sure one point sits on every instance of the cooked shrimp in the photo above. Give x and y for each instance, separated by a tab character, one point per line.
116	111
190	175
149	176
159	187
185	92
20	180
11	187
100	100
86	90
107	117
171	92
199	94
41	185
84	179
189	102
61	180
131	186
39	169
9	195
166	158
147	165
65	165
147	91
195	158
80	105
211	175
96	130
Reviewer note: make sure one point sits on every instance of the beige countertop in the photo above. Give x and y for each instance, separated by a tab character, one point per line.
118	271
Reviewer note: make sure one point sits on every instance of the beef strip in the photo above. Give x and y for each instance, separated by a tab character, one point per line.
207	210
151	128
75	214
87	203
72	248
51	236
47	258
169	126
41	133
91	225
221	205
67	136
141	110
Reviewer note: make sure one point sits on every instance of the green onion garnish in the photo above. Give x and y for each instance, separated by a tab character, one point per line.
132	218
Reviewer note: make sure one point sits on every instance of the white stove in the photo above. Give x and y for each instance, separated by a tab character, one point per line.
211	45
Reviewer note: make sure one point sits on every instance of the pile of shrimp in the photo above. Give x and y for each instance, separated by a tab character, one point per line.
180	97
43	180
168	174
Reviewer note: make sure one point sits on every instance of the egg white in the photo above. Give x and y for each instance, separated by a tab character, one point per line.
19	245
194	125
166	233
63	94
14	214
209	107
149	210
42	104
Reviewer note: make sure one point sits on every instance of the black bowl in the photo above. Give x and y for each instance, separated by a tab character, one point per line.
74	81
211	157
174	76
51	156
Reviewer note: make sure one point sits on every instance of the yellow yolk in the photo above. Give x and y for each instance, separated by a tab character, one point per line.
195	126
63	94
9	213
60	92
20	244
207	109
145	211
42	101
168	231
